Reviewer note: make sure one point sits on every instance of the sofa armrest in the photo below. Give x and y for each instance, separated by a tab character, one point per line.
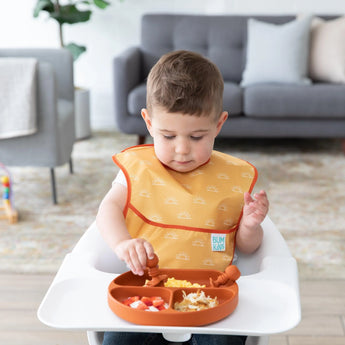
47	104
28	148
61	61
127	72
55	117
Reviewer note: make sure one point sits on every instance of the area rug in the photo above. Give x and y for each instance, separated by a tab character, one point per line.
304	179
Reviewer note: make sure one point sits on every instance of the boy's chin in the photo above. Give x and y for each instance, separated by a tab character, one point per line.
183	166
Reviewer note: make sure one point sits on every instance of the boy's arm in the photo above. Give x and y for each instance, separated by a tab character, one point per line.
111	224
249	234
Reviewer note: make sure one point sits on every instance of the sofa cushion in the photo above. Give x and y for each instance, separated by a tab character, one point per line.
232	99
277	100
327	50
221	38
277	53
218	38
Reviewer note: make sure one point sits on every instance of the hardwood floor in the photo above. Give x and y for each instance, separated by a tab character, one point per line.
323	314
20	296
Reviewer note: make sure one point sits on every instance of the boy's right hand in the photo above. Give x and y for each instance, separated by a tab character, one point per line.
134	252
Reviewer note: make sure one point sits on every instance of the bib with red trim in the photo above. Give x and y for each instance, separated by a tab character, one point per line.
190	218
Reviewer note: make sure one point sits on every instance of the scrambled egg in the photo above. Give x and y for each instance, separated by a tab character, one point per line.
172	282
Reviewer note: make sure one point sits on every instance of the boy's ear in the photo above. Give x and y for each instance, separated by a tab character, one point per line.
147	119
222	119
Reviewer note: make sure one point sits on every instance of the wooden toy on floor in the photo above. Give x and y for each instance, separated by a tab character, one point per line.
7	204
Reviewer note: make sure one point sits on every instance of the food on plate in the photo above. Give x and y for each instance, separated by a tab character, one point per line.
154	303
172	282
195	301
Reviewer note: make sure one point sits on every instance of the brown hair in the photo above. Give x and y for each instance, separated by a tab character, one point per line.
185	82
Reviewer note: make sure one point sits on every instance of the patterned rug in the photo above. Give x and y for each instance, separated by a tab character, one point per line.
304	179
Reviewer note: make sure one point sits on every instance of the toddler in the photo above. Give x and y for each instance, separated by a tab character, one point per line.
178	197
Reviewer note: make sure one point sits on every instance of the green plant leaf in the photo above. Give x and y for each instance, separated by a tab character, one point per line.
43	5
69	14
101	3
76	50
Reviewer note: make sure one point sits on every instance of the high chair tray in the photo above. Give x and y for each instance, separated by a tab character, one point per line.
268	294
130	288
77	300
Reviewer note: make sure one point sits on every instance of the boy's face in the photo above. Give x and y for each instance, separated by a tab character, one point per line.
182	142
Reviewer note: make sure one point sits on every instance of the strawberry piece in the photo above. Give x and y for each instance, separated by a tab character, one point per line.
147	301
157	302
139	305
154	303
130	300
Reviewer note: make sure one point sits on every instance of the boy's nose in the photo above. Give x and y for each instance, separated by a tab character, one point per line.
182	146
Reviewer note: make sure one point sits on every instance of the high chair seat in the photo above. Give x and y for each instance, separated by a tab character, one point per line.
269	299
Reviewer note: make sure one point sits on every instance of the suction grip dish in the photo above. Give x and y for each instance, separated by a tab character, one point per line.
128	285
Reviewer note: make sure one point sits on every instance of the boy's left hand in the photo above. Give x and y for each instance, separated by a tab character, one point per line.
254	209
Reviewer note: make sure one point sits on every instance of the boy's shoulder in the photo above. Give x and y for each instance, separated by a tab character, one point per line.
135	151
229	159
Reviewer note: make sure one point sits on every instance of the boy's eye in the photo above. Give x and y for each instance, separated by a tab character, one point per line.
196	138
169	137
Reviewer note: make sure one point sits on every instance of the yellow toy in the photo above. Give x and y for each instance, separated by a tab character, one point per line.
9	212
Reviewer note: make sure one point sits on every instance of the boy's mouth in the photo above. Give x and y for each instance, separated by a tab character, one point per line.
183	162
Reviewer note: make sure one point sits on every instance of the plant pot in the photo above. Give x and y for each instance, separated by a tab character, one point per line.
82	113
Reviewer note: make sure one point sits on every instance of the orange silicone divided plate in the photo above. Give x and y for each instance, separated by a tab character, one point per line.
128	285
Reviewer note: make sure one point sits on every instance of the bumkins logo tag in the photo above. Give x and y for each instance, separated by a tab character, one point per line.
218	242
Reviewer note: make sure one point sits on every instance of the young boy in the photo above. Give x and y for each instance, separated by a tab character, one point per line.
178	197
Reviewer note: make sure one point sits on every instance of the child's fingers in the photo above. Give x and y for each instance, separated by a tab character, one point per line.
133	262
141	259
260	195
248	198
263	200
149	250
130	265
138	255
144	250
256	206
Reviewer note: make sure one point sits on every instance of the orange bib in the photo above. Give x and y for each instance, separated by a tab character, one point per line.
190	218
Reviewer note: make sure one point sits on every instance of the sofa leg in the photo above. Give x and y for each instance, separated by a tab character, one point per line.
141	139
53	185
71	166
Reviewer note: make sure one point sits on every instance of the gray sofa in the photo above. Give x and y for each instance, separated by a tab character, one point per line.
261	110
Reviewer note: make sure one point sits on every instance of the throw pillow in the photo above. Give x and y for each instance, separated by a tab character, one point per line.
327	50
277	53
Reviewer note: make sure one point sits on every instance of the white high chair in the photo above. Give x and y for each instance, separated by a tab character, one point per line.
268	293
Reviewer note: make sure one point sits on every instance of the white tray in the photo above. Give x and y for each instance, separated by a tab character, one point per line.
268	298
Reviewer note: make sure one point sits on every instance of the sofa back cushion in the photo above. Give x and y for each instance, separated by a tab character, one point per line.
220	38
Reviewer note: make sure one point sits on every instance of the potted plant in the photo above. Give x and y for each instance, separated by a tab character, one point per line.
73	12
